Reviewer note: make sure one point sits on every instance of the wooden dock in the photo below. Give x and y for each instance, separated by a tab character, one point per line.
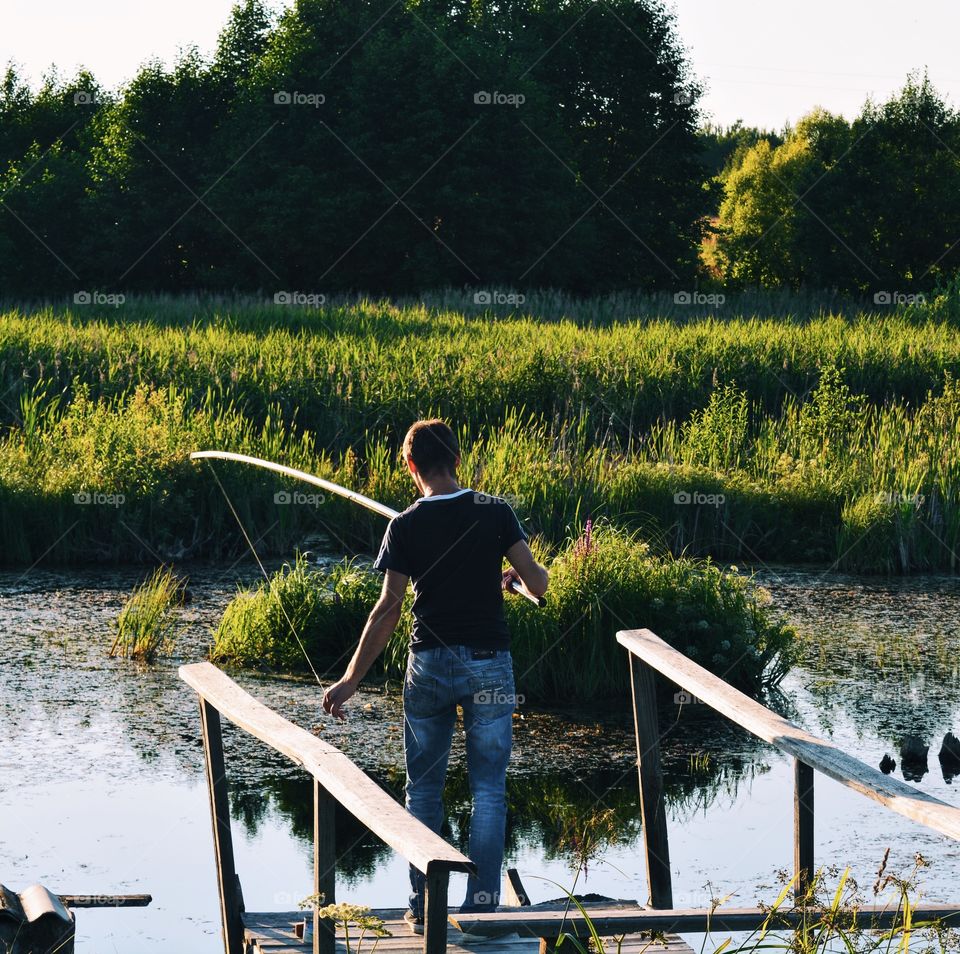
274	934
522	928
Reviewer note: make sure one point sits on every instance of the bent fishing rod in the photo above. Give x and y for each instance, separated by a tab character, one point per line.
333	488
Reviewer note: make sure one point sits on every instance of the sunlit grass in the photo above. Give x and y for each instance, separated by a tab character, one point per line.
830	440
564	652
147	625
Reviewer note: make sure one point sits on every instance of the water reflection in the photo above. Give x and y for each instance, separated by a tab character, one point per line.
882	657
879	677
705	760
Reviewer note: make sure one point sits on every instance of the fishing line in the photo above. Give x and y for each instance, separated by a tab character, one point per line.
263	570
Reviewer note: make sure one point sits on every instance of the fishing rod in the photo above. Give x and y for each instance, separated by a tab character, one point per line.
363	501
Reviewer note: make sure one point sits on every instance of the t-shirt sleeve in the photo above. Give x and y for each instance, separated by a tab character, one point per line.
393	555
512	532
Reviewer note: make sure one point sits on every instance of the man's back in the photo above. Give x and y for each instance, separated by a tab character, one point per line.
452	548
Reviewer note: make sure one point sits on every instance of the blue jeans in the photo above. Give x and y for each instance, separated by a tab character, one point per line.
437	681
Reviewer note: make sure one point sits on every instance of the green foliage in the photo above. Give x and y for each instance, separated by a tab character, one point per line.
347	917
302	609
199	177
784	425
827	918
147	624
725	146
565	652
717	436
714	616
866	205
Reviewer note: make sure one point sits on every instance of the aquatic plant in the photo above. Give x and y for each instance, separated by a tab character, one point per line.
824	918
303	608
564	652
147	624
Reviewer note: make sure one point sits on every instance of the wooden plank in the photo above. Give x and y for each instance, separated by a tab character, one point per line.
324	865
612	922
105	900
435	915
802	826
818	753
230	907
653	805
344	780
272	933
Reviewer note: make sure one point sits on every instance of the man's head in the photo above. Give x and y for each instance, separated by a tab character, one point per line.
431	450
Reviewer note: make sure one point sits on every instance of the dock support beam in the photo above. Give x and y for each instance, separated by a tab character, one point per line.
324	866
435	917
653	806
802	826
228	883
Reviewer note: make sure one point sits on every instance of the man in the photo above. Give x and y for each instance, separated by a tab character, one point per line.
451	543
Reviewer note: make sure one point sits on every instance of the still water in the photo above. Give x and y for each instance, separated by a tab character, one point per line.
103	788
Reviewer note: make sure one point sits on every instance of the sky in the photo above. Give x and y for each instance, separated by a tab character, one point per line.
767	63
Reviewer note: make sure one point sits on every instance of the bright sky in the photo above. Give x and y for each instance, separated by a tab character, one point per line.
765	62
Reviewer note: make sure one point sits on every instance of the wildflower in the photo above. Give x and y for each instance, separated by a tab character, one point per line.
584	545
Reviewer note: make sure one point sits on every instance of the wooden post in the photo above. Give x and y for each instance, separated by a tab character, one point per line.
516	895
435	917
324	866
227	881
802	825
652	804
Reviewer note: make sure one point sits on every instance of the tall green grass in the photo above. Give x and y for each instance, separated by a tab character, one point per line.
827	439
564	652
147	625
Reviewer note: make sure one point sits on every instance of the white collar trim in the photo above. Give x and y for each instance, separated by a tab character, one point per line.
456	493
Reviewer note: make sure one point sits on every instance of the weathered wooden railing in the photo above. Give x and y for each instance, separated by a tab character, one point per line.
335	779
650	654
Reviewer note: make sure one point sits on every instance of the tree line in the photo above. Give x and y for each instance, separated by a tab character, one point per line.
366	145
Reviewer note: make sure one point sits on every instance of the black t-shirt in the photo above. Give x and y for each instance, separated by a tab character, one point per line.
452	547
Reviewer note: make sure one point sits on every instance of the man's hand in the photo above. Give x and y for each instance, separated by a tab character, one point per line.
509	575
337	695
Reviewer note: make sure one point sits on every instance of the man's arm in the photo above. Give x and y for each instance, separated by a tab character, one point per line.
525	568
380	625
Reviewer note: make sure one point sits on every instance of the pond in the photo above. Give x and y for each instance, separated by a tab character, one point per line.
104	791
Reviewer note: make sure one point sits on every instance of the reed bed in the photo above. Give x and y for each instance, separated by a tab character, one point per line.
147	625
817	438
601	581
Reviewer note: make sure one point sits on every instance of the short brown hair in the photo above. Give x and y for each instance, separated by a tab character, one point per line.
432	446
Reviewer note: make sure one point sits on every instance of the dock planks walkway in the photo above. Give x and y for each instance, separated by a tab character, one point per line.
273	934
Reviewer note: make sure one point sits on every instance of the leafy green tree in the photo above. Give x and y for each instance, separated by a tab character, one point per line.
366	144
866	206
